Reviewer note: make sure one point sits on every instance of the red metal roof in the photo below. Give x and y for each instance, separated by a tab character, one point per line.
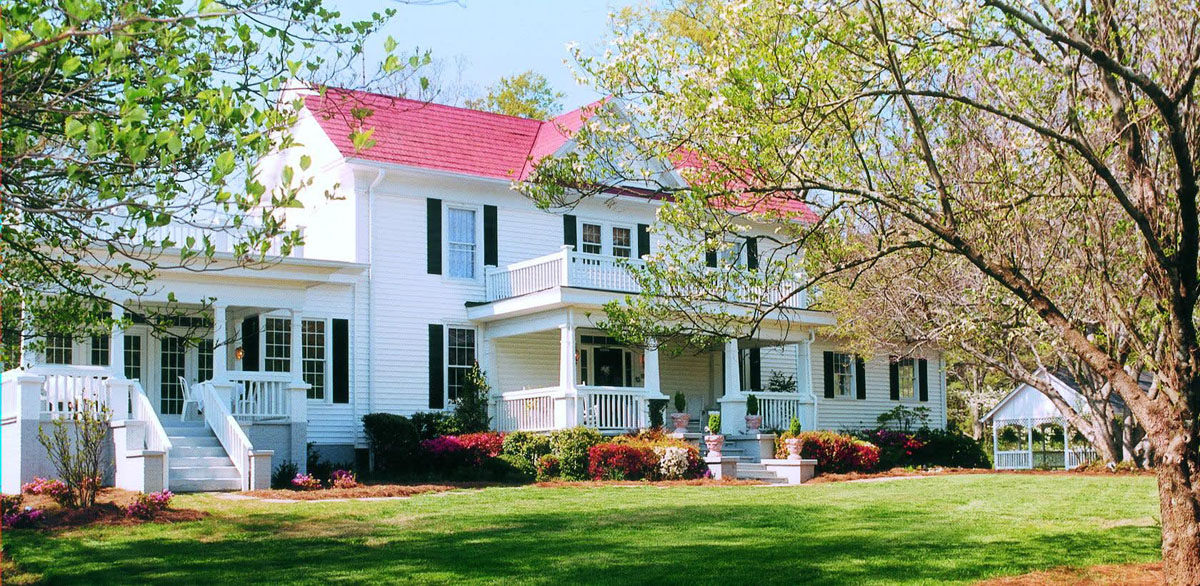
472	142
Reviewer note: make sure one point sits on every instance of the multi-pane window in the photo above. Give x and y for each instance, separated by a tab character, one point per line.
592	239
312	356
460	357
133	357
204	361
843	374
99	351
172	356
277	344
461	243
622	243
908	378
58	349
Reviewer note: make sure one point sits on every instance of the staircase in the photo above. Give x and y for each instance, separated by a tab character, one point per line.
756	471
198	462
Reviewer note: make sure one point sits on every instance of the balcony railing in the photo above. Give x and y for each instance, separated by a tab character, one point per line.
568	268
192	237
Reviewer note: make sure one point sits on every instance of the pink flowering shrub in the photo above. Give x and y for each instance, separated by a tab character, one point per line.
485	444
896	447
837	453
342	479
12	516
451	452
305	482
55	489
146	506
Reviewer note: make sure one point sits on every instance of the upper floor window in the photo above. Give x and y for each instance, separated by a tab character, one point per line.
622	242
843	374
59	349
461	243
277	346
607	239
908	378
592	239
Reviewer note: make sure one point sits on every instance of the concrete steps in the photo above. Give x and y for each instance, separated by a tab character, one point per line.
756	471
198	463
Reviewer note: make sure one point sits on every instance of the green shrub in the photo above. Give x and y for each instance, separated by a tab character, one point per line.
76	446
794	427
524	449
680	402
394	440
547	468
570	448
950	448
283	474
431	424
657	406
751	405
714	423
471	404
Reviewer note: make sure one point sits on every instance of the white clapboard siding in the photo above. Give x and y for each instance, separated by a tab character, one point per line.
837	414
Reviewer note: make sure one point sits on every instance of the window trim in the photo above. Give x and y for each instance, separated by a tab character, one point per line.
327	325
447	404
477	258
912	381
606	237
262	340
852	377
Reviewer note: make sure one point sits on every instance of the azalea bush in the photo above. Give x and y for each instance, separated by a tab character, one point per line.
570	447
55	489
621	462
548	468
146	506
306	482
76	445
12	516
896	448
837	453
343	479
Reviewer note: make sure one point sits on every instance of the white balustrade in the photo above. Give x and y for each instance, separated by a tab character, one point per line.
597	271
222	237
778	409
612	408
1014	460
530	276
225	426
260	395
527	410
142	409
67	386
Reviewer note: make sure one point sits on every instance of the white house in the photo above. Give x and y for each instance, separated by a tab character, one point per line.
425	262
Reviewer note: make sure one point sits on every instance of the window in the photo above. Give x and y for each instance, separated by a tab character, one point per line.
277	355
460	357
100	350
732	253
461	243
591	238
908	378
843	375
172	358
133	357
204	361
58	349
622	244
312	356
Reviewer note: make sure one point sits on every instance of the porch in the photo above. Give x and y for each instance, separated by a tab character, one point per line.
1037	443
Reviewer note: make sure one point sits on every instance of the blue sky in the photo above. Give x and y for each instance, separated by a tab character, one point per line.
494	38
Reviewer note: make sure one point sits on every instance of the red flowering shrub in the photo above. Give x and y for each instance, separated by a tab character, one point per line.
896	448
548	468
621	462
445	452
838	453
485	444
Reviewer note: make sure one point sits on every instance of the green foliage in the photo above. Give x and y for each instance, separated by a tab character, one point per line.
570	448
525	449
471	404
714	423
752	404
904	418
395	440
526	94
950	448
680	402
794	427
76	447
283	474
781	383
657	407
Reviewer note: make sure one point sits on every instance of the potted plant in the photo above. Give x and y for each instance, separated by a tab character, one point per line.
679	418
753	419
792	440
714	440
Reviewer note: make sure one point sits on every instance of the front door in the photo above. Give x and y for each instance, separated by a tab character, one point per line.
610	369
172	365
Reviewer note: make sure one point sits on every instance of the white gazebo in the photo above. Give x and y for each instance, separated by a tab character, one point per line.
1027	408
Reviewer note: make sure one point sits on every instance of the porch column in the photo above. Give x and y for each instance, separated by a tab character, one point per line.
653	383
569	415
295	350
733	404
220	342
733	372
995	447
116	343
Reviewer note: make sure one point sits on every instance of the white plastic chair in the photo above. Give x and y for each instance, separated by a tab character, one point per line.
189	397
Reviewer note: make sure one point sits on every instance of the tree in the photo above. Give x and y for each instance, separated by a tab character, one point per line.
124	118
971	389
526	94
1045	149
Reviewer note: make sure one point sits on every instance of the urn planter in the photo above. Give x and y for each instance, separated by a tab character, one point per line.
714	443
680	421
793	448
753	423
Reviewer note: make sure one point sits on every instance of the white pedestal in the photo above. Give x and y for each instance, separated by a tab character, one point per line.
793	471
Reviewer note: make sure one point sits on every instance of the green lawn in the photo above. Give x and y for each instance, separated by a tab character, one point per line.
928	530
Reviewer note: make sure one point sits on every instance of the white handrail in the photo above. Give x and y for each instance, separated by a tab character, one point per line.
527	409
237	445
142	409
260	395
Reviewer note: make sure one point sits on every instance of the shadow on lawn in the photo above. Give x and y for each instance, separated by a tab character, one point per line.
761	544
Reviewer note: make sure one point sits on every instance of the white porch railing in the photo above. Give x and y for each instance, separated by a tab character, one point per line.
142	409
260	395
613	408
1014	460
778	409
221	237
67	386
223	424
527	410
597	271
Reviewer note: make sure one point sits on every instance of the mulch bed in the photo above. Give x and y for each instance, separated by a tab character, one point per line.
365	491
109	510
658	483
910	473
1127	574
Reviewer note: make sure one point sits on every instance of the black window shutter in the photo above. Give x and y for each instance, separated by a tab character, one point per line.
756	369
828	375
643	240
860	377
433	233
491	250
569	228
710	258
341	361
437	386
923	378
894	379
250	343
752	253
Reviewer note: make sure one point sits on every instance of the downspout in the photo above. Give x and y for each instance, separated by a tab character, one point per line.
812	337
371	291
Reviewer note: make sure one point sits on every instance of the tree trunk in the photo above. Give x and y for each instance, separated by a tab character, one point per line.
1179	501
